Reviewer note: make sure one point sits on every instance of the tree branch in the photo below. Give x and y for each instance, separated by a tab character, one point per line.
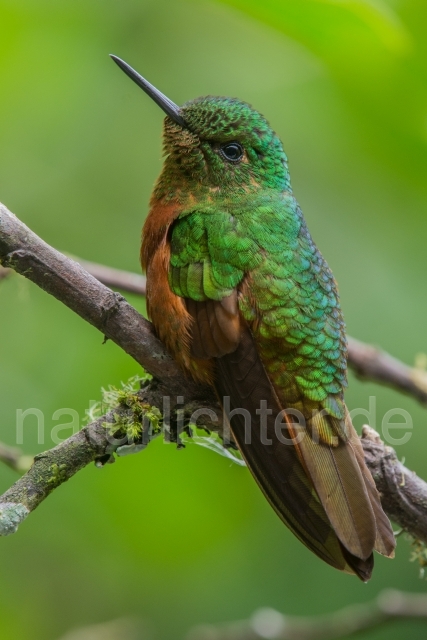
389	606
109	312
115	278
370	363
403	493
96	443
14	458
50	469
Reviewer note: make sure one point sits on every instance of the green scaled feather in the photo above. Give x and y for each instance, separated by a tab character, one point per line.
297	307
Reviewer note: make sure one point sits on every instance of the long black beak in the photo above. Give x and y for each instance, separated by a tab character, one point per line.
164	103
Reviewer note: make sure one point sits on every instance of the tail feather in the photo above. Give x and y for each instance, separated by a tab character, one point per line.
277	467
340	486
385	541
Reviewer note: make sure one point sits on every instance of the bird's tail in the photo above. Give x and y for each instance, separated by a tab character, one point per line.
324	494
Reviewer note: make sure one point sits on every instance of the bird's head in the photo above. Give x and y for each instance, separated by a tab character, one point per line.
216	145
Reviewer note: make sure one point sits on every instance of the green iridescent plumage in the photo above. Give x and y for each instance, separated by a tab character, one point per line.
300	331
194	163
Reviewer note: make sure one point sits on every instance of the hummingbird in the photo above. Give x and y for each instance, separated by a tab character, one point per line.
244	301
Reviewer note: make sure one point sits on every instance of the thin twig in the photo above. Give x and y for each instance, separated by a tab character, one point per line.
371	363
14	458
4	273
115	278
121	629
389	606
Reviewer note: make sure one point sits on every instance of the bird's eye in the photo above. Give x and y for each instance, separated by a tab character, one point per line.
232	151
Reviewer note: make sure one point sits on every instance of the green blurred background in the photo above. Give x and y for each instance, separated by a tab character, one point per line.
184	537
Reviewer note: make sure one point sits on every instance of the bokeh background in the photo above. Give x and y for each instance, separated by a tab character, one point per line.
178	538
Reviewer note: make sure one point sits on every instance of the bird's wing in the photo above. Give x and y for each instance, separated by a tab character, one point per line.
211	300
275	463
317	490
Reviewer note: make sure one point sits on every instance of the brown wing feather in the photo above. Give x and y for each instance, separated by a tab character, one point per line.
340	486
323	493
216	326
276	467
